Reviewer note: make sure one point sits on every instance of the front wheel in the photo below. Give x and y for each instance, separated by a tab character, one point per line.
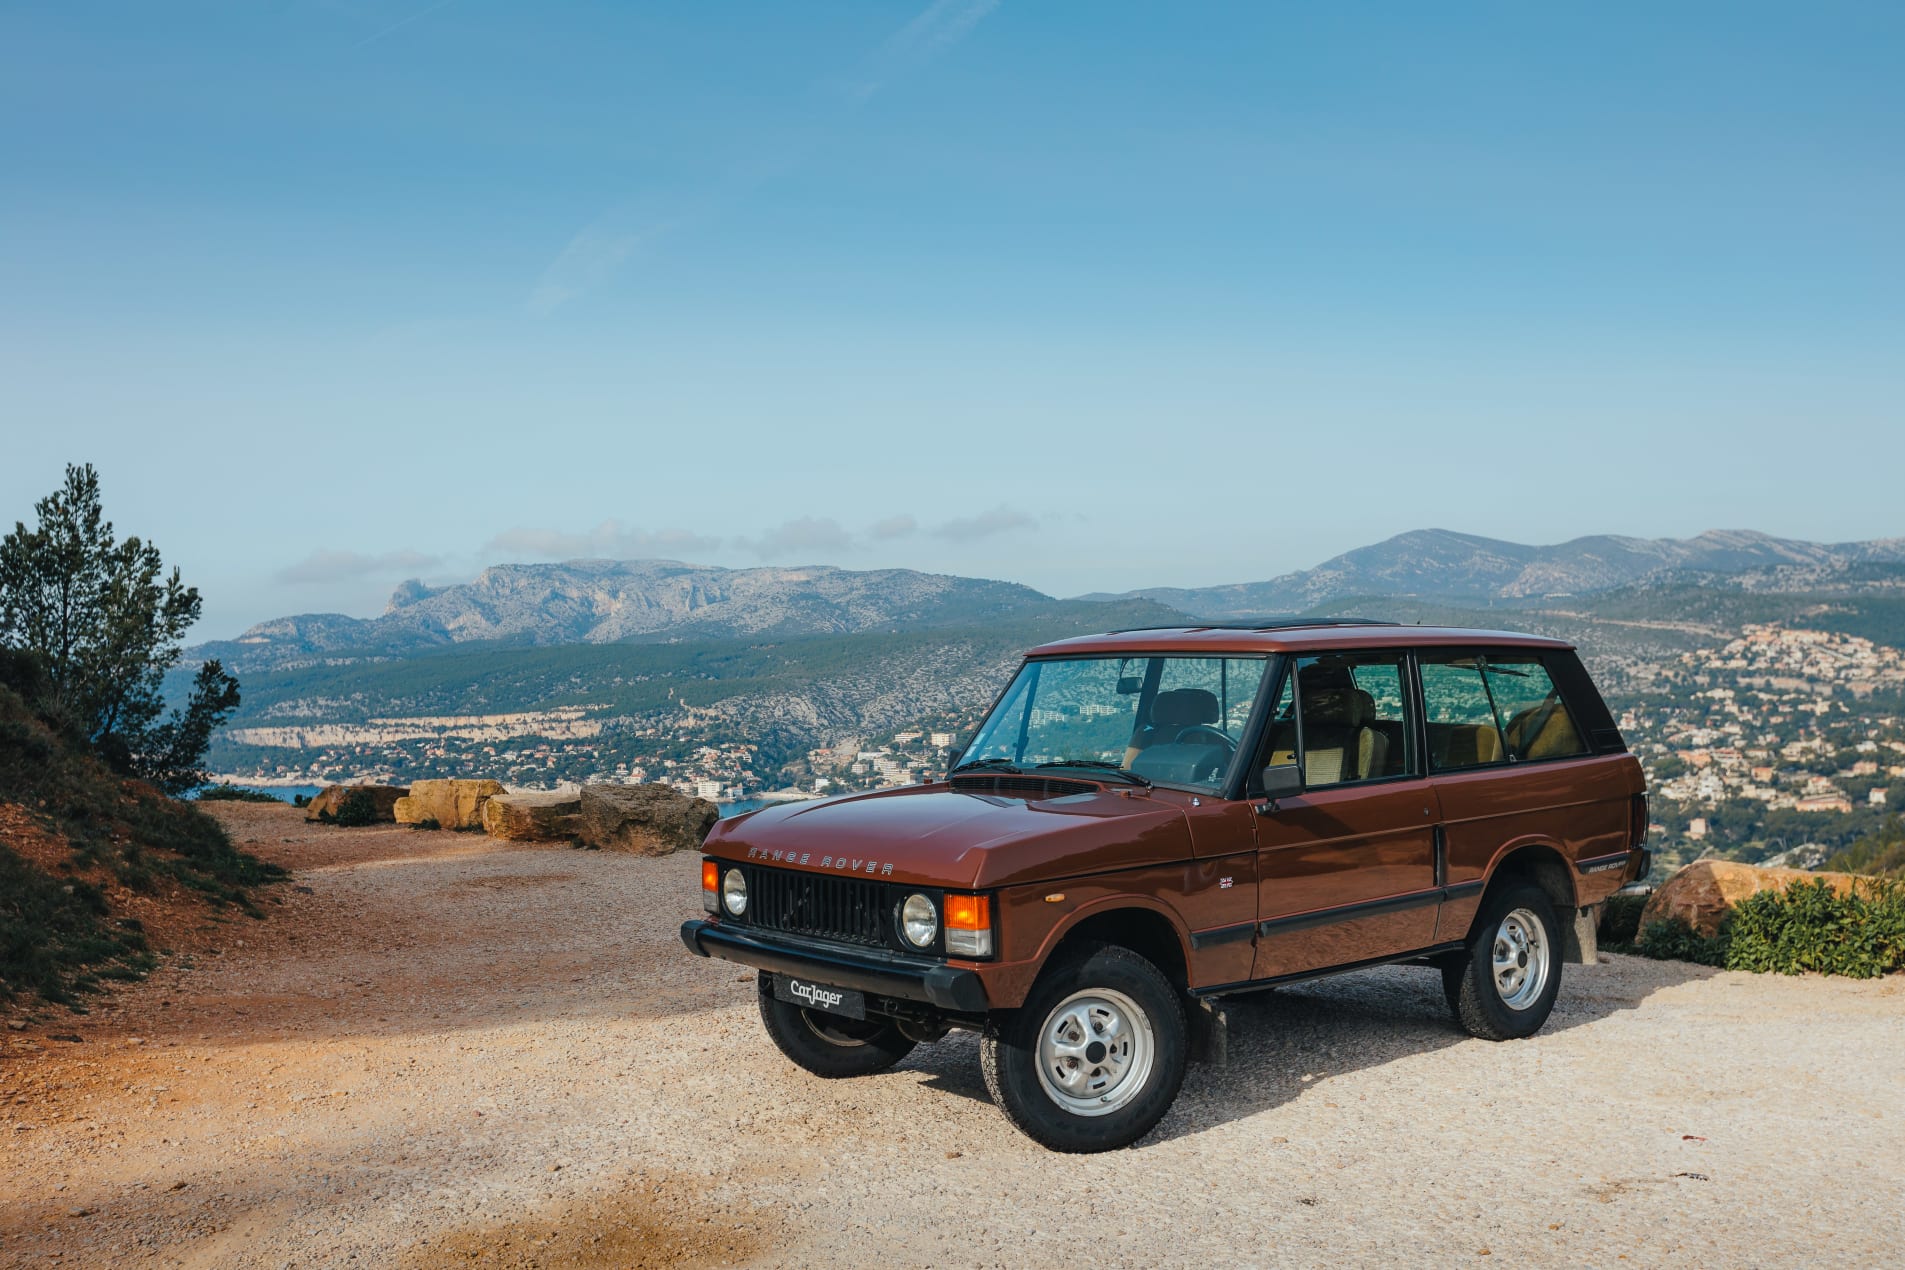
826	1044
1504	987
1095	1056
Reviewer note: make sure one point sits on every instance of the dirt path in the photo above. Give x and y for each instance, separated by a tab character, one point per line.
455	1051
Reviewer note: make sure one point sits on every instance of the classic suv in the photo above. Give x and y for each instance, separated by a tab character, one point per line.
1149	820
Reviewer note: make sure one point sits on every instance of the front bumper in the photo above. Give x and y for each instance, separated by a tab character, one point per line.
946	987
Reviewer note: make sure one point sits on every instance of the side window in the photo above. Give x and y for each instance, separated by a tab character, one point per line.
1536	723
1459	714
1354	725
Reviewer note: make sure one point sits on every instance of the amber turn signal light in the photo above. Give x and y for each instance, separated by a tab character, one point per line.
968	912
969	925
710	884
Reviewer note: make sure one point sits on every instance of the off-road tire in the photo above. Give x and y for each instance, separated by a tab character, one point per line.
1469	982
1009	1053
827	1045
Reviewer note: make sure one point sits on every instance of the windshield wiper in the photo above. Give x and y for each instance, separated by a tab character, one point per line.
1108	766
1000	764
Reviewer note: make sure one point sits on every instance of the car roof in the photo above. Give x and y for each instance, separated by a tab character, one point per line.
1289	637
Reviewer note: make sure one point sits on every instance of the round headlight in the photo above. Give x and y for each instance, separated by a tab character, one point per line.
919	921
734	892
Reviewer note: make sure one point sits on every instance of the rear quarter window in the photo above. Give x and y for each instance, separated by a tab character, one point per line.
1535	721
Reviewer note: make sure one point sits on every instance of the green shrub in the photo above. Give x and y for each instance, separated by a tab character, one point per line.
1620	920
355	810
1676	941
300	800
1810	927
1806	927
233	794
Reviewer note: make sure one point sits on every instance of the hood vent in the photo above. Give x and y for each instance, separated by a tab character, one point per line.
1030	788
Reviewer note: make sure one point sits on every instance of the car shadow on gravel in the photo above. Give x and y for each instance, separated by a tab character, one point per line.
1281	1042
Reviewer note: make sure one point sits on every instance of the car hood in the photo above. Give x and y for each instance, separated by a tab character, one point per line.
933	835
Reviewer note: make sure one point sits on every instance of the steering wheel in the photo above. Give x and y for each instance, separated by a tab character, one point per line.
1204	731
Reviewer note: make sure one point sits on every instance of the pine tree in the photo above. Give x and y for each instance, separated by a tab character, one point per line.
105	621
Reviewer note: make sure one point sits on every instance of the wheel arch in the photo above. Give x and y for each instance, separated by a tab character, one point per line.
1147	929
1542	863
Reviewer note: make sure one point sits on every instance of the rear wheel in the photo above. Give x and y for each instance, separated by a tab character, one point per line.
1095	1056
1505	985
830	1045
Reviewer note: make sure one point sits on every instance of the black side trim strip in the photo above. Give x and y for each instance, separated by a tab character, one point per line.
1252	985
1222	935
1601	862
1349	912
1462	890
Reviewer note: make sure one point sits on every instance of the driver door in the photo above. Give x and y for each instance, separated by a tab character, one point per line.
1346	869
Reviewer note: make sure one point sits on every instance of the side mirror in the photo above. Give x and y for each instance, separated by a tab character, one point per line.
1280	781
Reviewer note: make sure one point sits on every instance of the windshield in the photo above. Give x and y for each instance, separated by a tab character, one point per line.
1170	720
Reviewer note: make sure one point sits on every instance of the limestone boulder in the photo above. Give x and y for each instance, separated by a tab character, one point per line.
1704	892
383	799
532	817
453	804
645	819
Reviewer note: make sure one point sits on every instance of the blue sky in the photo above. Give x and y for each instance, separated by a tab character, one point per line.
1089	296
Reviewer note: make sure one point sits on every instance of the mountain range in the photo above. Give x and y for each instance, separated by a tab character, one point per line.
787	659
608	602
1441	565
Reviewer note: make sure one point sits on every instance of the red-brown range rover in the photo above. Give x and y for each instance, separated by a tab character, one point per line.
1152	819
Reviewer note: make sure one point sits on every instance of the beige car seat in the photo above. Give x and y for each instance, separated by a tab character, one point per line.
1171	713
1338	743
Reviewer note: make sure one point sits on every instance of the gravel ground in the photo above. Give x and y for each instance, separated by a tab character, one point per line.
451	1050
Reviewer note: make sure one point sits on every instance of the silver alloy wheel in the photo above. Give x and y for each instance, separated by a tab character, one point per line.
1095	1051
1520	959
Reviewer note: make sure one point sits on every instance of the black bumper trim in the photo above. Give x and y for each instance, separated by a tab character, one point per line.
947	987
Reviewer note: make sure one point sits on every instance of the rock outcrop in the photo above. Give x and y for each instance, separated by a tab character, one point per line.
532	817
383	799
1704	892
645	819
453	804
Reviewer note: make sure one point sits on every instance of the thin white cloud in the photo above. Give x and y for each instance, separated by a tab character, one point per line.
600	248
595	253
934	30
610	540
401	23
999	520
893	527
803	536
323	568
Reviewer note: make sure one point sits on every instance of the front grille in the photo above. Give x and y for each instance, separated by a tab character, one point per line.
849	910
1030	788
